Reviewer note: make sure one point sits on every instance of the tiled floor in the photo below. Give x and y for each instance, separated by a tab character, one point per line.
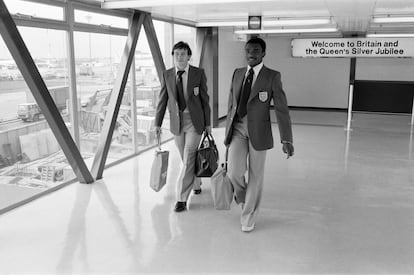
343	204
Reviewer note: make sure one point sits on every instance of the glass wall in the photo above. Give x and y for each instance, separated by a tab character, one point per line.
147	90
164	33
31	9
31	160
97	57
94	18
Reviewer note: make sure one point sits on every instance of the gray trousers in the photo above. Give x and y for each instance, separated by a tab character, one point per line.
187	143
243	157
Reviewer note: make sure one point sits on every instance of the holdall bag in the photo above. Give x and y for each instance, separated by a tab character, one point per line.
206	157
221	187
159	168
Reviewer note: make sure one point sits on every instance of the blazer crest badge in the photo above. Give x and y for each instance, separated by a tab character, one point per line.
196	91
263	96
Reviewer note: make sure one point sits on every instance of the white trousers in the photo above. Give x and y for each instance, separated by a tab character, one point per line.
243	157
187	143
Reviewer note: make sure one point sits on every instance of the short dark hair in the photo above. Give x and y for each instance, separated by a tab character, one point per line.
181	45
257	40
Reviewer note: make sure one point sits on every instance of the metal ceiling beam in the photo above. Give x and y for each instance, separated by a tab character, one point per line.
37	86
116	96
154	46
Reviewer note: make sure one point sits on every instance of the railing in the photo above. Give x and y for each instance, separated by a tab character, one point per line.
412	114
350	99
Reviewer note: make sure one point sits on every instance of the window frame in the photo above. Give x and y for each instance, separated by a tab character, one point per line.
69	25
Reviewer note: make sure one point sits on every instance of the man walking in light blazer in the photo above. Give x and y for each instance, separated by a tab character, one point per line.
248	128
184	91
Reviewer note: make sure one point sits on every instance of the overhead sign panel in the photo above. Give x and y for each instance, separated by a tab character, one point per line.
255	22
353	47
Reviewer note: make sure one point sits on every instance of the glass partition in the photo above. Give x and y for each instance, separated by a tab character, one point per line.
97	58
37	10
31	160
164	33
99	19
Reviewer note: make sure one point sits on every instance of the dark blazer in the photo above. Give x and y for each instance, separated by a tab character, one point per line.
268	86
197	102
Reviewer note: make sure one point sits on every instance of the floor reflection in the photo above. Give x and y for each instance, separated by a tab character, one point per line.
343	204
75	235
77	232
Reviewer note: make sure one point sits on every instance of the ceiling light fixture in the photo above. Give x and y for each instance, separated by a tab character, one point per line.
222	24
393	19
266	23
314	30
297	22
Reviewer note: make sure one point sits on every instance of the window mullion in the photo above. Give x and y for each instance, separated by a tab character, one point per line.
41	23
82	27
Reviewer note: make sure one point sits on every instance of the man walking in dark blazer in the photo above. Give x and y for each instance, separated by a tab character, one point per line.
184	91
248	128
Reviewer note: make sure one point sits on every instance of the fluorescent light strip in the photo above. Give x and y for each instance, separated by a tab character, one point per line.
118	4
266	23
393	20
296	22
390	35
230	16
222	24
286	31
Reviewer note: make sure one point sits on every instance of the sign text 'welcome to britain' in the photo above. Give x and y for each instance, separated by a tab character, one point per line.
353	47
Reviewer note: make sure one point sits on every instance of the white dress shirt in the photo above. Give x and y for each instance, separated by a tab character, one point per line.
256	70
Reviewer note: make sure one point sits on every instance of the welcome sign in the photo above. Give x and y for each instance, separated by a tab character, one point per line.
353	47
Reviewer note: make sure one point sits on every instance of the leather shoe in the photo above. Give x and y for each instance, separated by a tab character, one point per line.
180	206
197	191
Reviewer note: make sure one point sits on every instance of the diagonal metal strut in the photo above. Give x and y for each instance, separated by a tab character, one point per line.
116	96
37	86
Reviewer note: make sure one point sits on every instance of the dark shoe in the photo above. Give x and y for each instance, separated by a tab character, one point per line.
180	206
197	191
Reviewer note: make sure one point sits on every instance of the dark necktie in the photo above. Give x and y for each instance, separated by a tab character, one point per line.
180	91
244	97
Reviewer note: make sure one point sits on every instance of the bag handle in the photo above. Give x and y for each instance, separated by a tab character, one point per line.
209	138
226	158
159	142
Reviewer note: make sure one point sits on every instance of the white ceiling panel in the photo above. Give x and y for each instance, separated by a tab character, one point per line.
394	7
350	16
